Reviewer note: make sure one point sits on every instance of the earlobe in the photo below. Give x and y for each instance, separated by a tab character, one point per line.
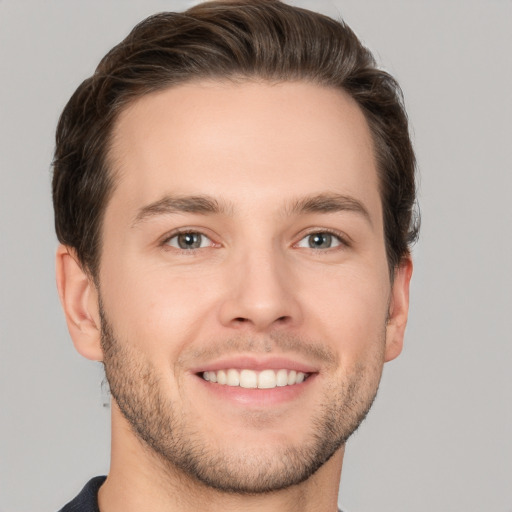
79	299
398	310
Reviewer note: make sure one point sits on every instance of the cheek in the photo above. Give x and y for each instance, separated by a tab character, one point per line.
156	310
351	312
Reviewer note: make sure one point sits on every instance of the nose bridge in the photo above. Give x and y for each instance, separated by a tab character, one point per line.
260	290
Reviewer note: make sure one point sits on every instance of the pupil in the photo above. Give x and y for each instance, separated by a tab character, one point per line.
189	240
320	240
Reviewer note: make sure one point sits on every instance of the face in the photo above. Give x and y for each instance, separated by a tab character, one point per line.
246	305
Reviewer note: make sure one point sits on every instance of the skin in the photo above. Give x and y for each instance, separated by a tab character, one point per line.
254	288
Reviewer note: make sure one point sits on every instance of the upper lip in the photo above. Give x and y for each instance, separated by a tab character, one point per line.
252	362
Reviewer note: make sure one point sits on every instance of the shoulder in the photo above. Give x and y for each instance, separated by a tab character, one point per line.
87	500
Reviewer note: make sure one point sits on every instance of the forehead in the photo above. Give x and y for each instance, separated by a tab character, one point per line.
246	143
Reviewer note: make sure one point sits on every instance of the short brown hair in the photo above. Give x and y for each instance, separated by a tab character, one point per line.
226	40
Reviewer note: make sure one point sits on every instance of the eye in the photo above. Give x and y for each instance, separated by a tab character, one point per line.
320	240
189	240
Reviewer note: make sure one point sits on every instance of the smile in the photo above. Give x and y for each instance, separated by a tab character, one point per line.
250	379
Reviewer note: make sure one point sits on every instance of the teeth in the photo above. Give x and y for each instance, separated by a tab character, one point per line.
222	378
266	379
233	378
248	379
282	378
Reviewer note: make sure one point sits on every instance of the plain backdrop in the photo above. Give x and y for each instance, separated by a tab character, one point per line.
439	437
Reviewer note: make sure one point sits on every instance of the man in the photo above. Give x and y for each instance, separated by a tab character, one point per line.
233	194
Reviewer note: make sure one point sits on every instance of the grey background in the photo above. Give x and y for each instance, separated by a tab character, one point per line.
440	435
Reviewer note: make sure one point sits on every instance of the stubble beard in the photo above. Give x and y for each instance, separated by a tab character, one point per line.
184	449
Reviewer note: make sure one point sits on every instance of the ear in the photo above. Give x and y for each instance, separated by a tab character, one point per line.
79	299
398	309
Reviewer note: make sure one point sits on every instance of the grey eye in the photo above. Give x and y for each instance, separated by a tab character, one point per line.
191	240
320	240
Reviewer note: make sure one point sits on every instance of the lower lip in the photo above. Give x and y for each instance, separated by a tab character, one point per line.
255	397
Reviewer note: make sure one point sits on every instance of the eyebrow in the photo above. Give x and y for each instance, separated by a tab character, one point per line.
203	205
328	203
207	205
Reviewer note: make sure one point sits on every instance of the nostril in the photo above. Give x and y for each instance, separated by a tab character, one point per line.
242	320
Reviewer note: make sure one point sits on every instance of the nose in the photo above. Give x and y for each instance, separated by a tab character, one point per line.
262	293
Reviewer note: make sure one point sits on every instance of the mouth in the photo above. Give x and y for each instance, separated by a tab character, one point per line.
256	382
252	379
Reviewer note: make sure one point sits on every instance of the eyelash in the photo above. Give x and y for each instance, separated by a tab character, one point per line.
186	231
343	242
341	238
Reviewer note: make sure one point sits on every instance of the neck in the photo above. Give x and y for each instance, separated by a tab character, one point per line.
139	480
